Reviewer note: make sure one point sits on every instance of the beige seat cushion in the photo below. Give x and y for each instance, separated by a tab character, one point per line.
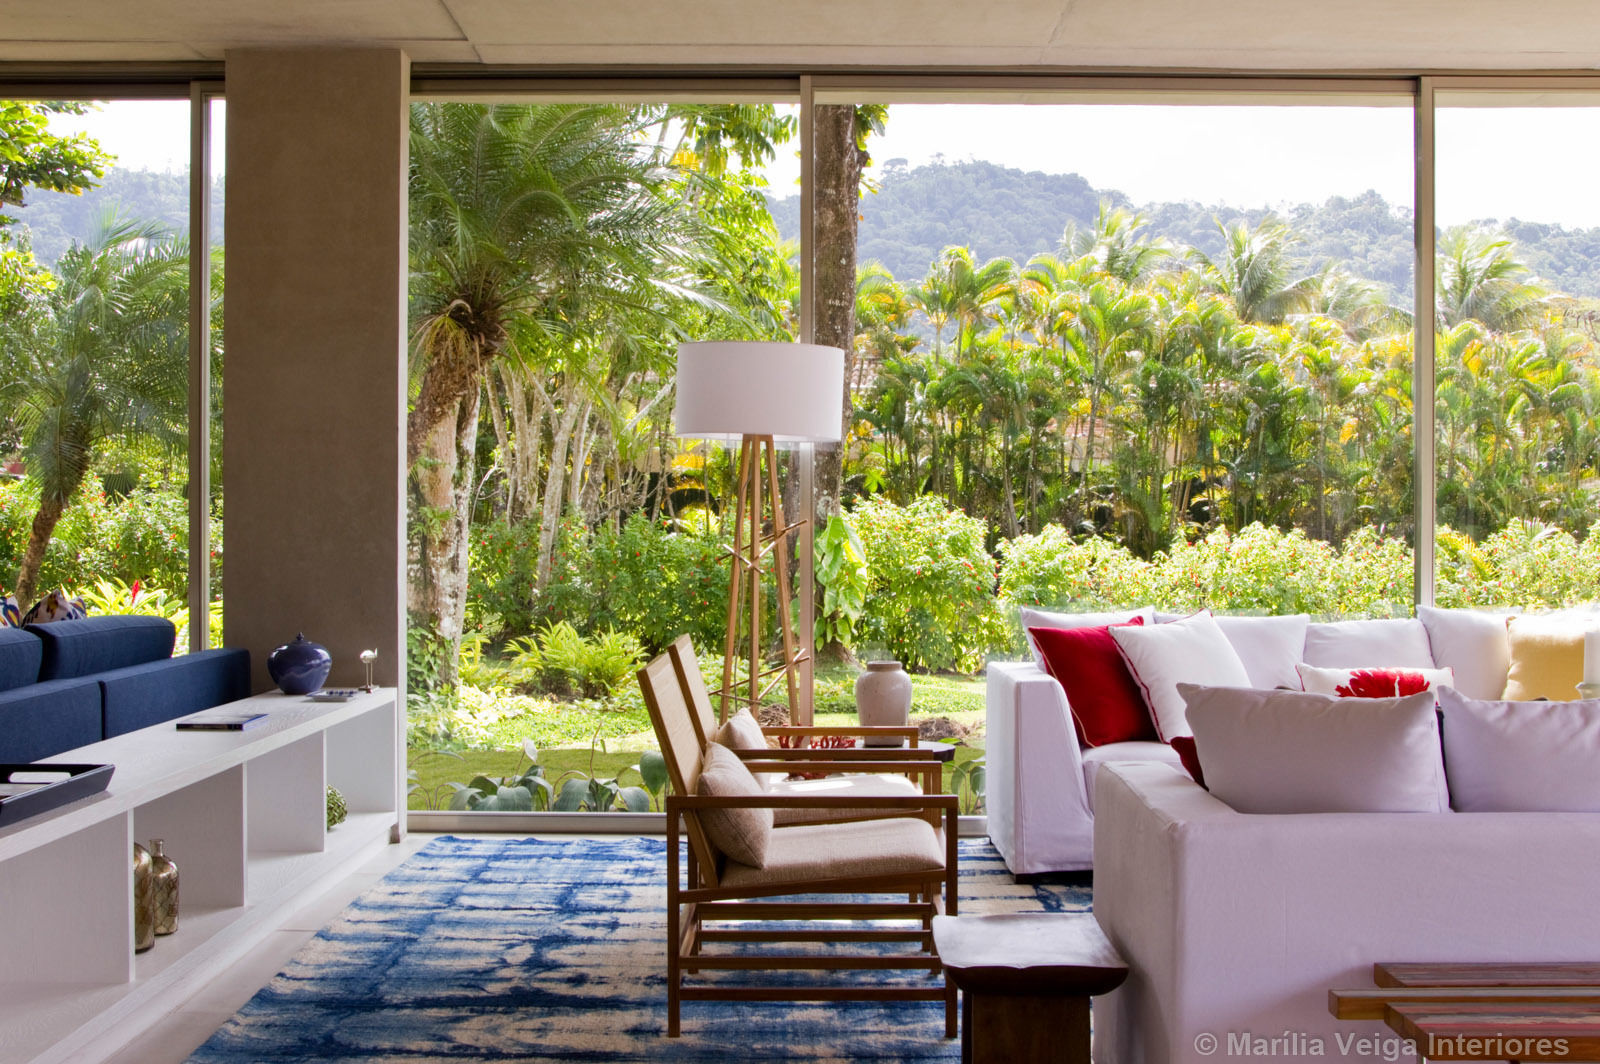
1546	657
857	786
809	852
743	834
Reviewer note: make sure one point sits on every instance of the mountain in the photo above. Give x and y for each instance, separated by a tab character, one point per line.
1001	211
55	220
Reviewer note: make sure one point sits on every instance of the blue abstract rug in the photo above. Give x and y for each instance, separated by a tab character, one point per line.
512	949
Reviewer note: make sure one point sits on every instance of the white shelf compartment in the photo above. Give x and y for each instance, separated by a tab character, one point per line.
242	814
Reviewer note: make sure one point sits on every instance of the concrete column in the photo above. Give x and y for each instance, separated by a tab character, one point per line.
314	377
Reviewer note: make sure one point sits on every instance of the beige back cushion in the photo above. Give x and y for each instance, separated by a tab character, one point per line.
741	834
1546	658
741	732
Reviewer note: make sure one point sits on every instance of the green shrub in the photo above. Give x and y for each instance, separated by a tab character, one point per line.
841	569
931	599
647	579
1256	570
500	568
1527	563
568	663
113	597
143	536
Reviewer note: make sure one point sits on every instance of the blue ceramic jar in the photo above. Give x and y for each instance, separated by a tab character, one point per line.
299	668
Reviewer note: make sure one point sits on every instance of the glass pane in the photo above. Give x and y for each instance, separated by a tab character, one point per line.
96	283
1119	355
1517	379
560	532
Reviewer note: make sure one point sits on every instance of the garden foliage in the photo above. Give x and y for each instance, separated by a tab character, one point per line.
141	536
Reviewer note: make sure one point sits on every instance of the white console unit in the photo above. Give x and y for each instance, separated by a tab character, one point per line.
243	816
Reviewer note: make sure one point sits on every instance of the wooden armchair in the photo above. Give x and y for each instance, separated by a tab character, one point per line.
858	861
881	771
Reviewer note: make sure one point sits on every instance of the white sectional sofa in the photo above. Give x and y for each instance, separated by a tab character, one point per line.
1236	926
1040	790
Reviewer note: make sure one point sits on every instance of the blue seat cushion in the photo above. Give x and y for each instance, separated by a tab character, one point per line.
100	644
20	653
141	695
44	719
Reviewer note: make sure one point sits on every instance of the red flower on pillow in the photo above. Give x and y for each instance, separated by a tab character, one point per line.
1382	683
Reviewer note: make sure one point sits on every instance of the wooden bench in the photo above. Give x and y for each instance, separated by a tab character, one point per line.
1025	982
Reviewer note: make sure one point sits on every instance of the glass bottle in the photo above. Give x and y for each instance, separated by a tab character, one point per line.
144	924
164	888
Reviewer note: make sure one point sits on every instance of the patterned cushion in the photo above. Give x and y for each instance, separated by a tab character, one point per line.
10	612
1372	683
56	606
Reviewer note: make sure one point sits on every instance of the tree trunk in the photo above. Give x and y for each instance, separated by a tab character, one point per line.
527	438
502	439
441	435
555	485
838	165
44	526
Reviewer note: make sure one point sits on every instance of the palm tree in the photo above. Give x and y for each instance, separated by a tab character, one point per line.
112	364
1254	271
1479	279
1118	244
957	290
524	219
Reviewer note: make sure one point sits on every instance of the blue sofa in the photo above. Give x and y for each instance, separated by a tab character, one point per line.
71	683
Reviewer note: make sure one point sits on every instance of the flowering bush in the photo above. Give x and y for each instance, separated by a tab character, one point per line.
142	536
1257	570
930	599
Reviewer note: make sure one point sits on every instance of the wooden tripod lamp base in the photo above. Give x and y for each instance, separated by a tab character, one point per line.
757	547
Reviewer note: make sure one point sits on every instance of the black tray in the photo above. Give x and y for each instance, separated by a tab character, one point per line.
83	781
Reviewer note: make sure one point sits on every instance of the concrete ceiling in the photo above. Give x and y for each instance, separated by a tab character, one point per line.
1398	35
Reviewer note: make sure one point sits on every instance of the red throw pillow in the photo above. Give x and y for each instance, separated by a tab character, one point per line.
1103	695
1190	756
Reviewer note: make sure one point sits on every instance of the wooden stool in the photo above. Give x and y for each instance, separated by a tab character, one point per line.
1025	982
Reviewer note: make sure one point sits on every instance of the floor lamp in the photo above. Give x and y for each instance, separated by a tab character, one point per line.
764	395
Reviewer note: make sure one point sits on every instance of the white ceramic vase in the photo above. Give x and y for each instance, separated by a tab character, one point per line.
883	698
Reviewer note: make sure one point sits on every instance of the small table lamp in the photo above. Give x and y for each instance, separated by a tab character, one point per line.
764	394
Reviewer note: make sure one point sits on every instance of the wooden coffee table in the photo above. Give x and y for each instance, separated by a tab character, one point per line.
1025	982
1521	1012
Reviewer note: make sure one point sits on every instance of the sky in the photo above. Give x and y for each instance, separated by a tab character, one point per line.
1492	162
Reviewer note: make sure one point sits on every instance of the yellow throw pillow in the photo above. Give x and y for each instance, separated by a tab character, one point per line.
1546	658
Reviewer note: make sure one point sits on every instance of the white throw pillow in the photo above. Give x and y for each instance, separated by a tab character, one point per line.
1032	618
1192	650
1474	644
1379	682
1268	646
1292	752
1514	757
1401	642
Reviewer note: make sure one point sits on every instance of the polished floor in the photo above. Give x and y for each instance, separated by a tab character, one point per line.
180	1032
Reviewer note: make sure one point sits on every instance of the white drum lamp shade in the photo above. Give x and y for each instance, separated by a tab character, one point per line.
733	389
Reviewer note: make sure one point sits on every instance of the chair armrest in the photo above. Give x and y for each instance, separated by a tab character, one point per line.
816	753
826	766
908	732
910	803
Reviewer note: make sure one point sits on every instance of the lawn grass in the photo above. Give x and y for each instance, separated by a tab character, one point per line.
623	730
